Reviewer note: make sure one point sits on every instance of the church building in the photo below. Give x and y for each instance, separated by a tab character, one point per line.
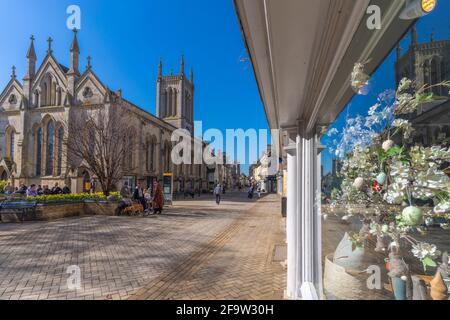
33	139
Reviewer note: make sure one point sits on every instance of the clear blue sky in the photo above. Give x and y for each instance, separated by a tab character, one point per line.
126	39
437	22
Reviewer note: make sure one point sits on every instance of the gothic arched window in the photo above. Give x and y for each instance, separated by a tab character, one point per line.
59	97
36	98
130	151
426	73
147	156
60	150
50	147
174	102
12	144
39	152
434	76
44	99
169	103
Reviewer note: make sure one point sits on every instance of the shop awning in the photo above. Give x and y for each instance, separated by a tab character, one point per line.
303	53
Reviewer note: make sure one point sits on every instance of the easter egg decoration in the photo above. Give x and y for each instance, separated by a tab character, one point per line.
412	216
376	187
387	145
359	183
381	178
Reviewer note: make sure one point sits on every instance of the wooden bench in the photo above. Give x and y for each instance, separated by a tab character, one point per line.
22	208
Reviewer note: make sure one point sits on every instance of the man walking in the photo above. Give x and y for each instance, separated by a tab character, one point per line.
217	193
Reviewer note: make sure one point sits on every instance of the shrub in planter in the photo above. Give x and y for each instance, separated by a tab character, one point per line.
79	197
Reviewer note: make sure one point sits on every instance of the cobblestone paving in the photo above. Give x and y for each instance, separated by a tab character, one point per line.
195	250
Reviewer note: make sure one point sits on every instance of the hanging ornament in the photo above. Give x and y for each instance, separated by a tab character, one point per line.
359	78
412	216
381	178
359	183
376	187
387	145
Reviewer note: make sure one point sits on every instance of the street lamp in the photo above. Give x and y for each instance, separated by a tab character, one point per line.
417	8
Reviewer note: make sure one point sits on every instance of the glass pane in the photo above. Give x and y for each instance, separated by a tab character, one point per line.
386	177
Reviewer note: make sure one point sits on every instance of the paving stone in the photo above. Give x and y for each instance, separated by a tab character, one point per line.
196	249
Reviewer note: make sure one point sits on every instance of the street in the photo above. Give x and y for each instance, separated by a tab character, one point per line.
195	250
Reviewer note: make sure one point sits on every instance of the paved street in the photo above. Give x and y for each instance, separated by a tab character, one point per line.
196	250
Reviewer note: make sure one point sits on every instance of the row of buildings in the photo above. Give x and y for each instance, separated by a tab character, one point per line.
33	139
267	172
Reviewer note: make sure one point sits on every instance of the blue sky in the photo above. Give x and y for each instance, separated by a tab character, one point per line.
383	79
126	39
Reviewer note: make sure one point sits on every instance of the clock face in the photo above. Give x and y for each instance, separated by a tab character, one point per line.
428	5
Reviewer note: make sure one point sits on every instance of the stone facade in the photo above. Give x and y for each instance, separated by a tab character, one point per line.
33	140
428	64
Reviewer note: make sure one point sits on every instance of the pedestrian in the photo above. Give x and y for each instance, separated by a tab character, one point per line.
138	196
125	191
66	190
259	192
39	190
31	191
46	191
93	186
56	189
158	198
148	200
217	193
9	189
250	192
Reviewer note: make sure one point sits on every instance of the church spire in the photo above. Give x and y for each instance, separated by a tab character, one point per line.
192	76
31	54
74	54
31	57
49	50
160	68
13	72
88	65
414	35
74	47
399	52
182	65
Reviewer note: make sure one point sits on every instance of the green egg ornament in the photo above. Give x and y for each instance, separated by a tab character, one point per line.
381	178
412	216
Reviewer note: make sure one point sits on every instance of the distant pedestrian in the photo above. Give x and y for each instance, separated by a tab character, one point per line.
250	192
31	191
158	198
9	189
46	191
217	193
139	196
66	190
125	191
57	189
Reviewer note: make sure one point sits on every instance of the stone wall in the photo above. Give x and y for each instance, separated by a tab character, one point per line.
49	212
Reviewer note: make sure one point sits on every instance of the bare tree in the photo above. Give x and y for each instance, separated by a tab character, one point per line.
102	141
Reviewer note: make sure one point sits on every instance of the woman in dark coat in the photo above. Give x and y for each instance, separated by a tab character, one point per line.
158	199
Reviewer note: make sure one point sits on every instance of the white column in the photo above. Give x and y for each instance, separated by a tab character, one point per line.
308	223
291	219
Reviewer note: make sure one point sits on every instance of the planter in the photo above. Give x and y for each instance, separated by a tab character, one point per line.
55	211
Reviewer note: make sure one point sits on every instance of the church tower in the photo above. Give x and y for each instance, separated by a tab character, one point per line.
175	98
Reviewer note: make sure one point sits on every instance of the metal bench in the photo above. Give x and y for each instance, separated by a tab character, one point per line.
22	208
